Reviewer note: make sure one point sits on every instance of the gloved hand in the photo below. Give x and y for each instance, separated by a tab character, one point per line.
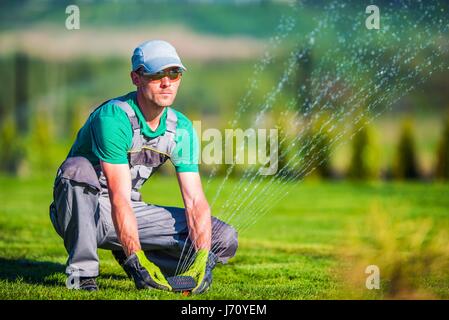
145	273
201	270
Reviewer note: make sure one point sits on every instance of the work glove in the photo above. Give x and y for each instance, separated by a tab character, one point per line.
201	270
145	274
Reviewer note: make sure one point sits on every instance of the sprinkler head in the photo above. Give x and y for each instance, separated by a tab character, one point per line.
182	283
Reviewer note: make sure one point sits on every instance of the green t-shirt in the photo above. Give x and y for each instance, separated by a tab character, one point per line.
107	135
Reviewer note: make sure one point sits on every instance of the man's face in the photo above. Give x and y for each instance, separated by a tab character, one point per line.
161	90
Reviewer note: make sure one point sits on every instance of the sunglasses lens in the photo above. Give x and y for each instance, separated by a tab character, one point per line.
173	75
157	76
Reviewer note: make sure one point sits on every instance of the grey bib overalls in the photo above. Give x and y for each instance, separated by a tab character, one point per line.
81	208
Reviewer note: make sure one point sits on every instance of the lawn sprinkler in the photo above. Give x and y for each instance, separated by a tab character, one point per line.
183	284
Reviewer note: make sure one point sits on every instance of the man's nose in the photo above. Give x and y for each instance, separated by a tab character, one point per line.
165	82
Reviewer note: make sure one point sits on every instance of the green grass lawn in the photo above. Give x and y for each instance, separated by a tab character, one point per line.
293	252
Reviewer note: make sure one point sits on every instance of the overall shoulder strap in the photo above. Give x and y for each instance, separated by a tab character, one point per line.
167	140
172	120
129	112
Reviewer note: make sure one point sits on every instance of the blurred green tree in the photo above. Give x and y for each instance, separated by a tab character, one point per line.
442	167
283	153
22	110
364	162
12	151
315	155
406	163
77	115
41	142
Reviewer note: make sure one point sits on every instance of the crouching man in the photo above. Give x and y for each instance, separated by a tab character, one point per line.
96	198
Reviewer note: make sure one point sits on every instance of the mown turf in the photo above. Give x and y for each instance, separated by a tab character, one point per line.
290	253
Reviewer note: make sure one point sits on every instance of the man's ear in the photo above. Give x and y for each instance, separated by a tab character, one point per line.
135	78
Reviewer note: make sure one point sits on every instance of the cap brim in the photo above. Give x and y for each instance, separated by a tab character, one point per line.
157	65
170	65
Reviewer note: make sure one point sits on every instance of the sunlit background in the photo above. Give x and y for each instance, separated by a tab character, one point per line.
357	111
52	77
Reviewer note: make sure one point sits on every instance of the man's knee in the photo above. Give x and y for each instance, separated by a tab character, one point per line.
225	241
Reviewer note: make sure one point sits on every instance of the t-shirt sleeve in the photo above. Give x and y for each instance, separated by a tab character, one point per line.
111	135
186	152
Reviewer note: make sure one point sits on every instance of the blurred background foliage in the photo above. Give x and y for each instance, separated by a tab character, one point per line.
53	77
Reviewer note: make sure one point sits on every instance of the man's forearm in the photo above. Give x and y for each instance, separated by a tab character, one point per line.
125	224
200	225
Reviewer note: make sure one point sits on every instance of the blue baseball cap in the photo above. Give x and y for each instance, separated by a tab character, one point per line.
155	56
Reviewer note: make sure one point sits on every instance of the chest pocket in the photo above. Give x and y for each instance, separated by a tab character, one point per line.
144	163
152	154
